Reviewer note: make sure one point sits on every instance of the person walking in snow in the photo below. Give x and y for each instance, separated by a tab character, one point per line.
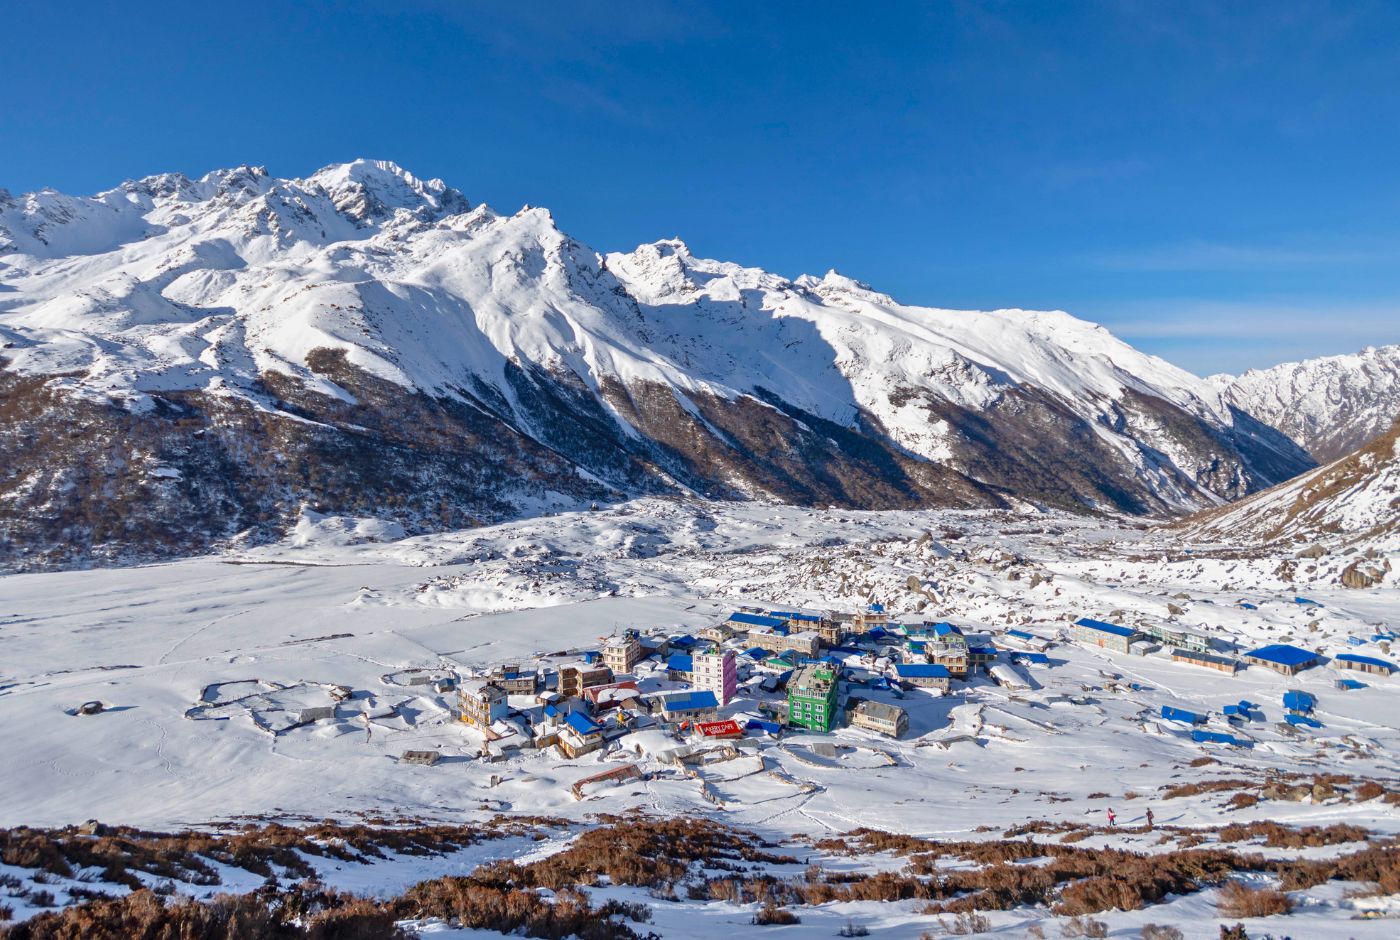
1149	820
1112	818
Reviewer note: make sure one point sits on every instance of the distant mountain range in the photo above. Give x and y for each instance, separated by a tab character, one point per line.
1328	406
186	363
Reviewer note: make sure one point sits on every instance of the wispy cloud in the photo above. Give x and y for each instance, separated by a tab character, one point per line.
1215	256
1208	336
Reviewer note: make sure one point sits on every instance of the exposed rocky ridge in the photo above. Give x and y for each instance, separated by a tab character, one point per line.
189	361
1328	406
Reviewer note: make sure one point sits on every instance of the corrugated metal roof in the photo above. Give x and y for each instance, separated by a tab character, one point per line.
686	701
1283	654
1103	627
756	620
880	711
680	662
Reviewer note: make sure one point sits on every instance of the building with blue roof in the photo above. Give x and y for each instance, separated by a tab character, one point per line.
579	735
684	706
795	615
1108	636
1377	667
680	667
758	620
923	675
1281	658
1218	737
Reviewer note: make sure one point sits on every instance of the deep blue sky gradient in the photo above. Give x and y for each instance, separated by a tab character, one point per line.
1216	182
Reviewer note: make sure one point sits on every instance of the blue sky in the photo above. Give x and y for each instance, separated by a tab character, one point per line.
1217	183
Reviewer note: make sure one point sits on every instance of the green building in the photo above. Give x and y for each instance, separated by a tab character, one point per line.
812	697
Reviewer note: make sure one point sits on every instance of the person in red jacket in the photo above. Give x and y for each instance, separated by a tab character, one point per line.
1112	817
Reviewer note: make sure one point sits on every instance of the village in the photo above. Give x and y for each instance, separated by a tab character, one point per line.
762	674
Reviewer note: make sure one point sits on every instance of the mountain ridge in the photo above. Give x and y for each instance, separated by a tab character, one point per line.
212	320
1330	405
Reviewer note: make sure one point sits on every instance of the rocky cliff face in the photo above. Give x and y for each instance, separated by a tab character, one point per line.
187	362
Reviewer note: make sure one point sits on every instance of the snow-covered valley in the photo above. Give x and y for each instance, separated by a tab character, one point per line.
205	668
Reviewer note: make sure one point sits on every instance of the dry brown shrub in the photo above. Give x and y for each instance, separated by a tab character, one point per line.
1377	865
1242	801
771	914
1238	900
1288	837
1204	786
1367	791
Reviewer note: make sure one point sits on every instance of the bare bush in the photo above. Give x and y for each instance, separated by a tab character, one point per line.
1079	926
1160	932
966	924
771	914
1238	900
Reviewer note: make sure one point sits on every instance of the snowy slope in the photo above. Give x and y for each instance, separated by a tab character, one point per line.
374	330
1328	406
1351	502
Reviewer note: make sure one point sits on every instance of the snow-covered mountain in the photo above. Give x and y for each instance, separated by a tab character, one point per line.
188	360
1349	504
1328	406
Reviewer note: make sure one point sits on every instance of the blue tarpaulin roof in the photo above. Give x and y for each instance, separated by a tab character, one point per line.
1350	685
1248	606
757	620
1299	701
944	629
877	608
1040	659
680	662
1306	721
1099	625
1368	660
1218	737
683	642
1181	714
1304	600
921	671
983	650
1283	654
1021	634
756	652
760	724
